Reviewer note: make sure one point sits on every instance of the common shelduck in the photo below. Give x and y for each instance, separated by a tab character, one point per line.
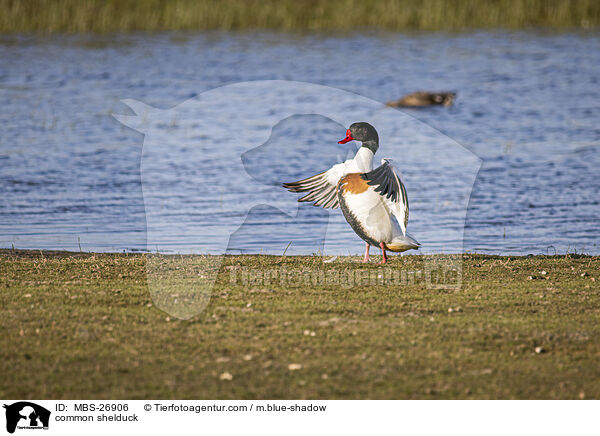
374	201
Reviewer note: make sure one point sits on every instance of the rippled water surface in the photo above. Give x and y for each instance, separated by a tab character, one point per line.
73	177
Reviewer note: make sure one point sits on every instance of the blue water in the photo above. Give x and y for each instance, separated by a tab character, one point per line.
528	106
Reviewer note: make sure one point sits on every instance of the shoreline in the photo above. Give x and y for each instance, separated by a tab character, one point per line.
29	253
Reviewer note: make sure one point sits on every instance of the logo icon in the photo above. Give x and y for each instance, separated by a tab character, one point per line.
26	415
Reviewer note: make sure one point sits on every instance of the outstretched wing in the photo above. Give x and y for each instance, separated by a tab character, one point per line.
387	182
321	188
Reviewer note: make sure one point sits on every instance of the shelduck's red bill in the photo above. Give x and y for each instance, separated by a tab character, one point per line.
348	138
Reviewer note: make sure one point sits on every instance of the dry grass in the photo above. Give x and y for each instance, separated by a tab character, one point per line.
85	326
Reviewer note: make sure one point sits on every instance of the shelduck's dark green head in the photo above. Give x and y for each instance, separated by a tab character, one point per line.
362	132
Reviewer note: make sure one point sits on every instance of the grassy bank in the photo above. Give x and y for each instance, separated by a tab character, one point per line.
79	326
156	15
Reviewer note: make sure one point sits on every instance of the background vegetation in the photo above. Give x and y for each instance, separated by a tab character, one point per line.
153	15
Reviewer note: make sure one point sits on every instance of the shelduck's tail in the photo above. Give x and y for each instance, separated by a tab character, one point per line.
403	243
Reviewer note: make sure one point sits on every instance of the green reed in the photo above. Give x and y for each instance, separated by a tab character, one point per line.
157	15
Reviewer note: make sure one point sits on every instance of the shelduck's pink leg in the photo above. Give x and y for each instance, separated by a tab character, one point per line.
384	259
367	258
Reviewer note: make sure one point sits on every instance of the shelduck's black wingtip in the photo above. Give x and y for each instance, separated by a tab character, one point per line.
293	187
